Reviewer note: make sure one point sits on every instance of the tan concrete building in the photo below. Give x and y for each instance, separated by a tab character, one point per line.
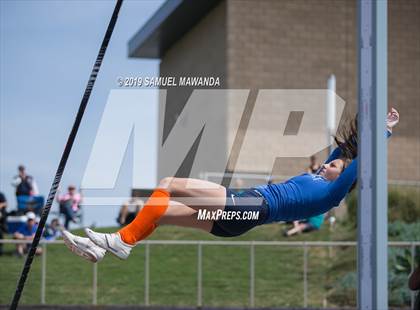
287	44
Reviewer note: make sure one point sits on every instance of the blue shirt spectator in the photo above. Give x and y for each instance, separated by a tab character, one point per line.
26	232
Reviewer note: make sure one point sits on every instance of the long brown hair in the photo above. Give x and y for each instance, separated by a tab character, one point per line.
347	142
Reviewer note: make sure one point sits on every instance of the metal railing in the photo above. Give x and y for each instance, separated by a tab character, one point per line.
305	245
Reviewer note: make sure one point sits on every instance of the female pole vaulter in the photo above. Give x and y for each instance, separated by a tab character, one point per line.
180	201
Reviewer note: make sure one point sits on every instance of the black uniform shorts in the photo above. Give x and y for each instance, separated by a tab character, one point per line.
250	209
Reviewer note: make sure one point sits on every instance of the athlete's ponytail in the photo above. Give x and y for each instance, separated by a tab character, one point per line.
347	140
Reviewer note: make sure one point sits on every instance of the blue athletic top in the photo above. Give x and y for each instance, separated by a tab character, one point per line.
307	195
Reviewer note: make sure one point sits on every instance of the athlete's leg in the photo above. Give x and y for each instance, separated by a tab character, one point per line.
195	193
192	193
180	215
146	219
156	206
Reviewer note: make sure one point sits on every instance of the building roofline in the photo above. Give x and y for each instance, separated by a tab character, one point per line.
170	22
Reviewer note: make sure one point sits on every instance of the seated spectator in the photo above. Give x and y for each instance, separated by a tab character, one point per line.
53	230
3	220
26	232
129	211
70	205
308	225
28	198
414	285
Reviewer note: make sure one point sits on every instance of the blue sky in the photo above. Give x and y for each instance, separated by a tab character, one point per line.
47	49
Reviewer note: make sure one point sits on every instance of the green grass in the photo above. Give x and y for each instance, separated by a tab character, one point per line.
173	272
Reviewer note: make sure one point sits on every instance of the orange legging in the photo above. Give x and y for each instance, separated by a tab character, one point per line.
145	222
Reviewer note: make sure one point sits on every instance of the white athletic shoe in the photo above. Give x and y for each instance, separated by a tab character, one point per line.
83	247
110	242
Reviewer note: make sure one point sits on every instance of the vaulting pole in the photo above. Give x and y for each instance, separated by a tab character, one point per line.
65	156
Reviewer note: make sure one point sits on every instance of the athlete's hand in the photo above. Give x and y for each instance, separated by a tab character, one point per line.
392	119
